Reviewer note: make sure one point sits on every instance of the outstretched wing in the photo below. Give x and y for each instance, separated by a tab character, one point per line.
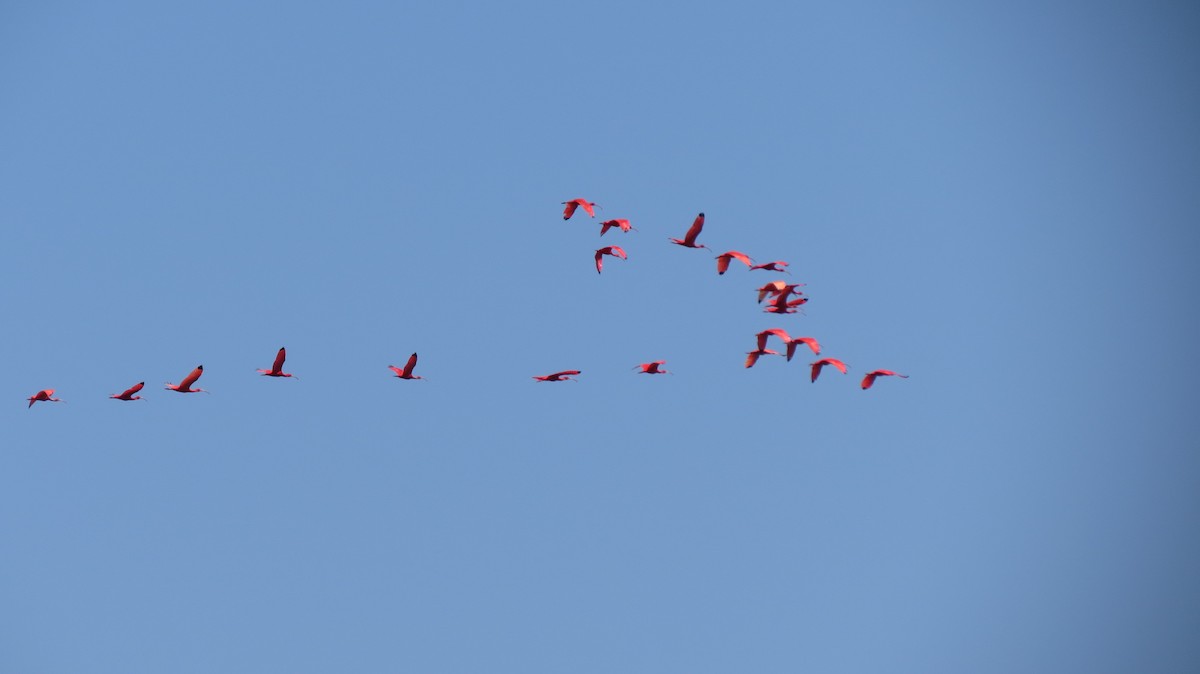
192	377
279	358
570	209
412	363
694	231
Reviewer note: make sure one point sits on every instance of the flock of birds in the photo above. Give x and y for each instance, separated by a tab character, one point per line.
784	298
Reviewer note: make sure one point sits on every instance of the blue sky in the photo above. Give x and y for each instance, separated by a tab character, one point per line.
997	200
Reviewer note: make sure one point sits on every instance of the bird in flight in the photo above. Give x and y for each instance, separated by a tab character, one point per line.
752	356
817	365
777	288
782	305
870	378
42	396
185	386
565	375
724	258
407	371
777	265
792	342
689	239
127	394
615	251
576	203
652	368
609	224
277	368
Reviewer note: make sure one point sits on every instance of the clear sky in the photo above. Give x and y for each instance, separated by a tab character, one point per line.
997	199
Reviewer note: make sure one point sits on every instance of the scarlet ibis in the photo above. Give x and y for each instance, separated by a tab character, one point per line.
277	368
776	288
724	258
777	265
42	396
609	224
576	203
817	365
615	251
870	378
652	368
782	305
127	394
792	342
689	239
185	386
565	375
752	356
406	371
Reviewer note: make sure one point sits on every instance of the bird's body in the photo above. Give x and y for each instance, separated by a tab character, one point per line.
185	386
818	365
576	203
565	375
724	258
689	239
752	356
870	378
277	367
777	265
615	251
406	372
777	288
128	394
42	396
652	368
622	224
782	305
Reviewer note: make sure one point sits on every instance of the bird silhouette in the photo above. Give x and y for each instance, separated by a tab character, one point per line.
622	224
817	365
127	394
870	378
576	203
615	251
689	239
565	375
277	368
407	371
42	396
724	258
185	386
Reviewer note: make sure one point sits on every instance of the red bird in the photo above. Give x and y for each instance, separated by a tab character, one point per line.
870	378
42	396
185	386
127	394
615	251
782	305
558	376
689	239
576	203
792	342
817	365
609	224
406	371
277	368
724	258
752	356
652	368
777	265
776	288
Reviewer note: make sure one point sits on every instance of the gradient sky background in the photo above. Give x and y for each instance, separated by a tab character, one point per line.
998	199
